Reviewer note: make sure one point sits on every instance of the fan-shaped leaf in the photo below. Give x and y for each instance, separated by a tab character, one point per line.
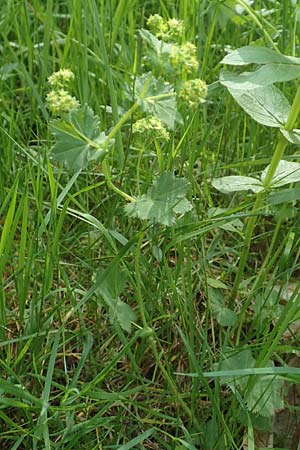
164	200
78	139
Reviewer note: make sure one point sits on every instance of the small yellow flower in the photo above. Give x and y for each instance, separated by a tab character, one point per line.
157	25
184	57
193	92
61	78
60	102
175	29
151	127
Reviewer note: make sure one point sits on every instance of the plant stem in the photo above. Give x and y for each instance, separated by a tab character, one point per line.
117	127
152	337
112	186
277	155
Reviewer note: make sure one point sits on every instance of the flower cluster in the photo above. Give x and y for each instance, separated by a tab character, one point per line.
169	31
184	57
151	127
59	100
193	92
61	78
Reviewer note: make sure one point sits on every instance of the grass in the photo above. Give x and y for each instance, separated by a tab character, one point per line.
71	376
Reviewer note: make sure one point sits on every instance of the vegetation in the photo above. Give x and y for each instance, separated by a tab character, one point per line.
149	248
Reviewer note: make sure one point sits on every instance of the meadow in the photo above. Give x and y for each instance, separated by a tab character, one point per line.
149	224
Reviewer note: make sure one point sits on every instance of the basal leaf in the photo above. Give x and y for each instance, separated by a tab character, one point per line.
264	76
267	105
235	360
287	172
224	316
111	286
292	136
257	55
237	183
78	139
265	395
158	98
163	201
123	313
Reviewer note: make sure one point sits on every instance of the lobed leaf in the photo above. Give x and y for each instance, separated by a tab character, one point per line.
163	201
158	98
78	139
112	285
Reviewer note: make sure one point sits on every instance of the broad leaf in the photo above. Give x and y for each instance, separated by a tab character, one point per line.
158	98
159	46
232	224
111	286
267	105
292	136
264	76
123	313
237	183
284	196
265	396
287	172
224	316
257	55
78	139
163	201
236	360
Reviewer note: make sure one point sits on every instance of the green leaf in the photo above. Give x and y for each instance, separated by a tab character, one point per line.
224	316
123	313
292	136
233	224
257	55
265	395
236	360
158	98
159	46
264	76
112	285
163	201
78	139
237	183
284	196
287	172
267	105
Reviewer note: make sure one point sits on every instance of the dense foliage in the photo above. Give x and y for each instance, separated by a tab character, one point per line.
149	224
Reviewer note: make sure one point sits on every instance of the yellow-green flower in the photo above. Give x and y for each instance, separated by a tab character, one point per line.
184	57
157	25
169	31
193	92
60	102
61	78
175	29
151	127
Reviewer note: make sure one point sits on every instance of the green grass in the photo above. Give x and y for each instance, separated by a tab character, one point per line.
71	377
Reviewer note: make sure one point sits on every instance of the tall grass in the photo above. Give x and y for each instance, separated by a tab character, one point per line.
70	377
